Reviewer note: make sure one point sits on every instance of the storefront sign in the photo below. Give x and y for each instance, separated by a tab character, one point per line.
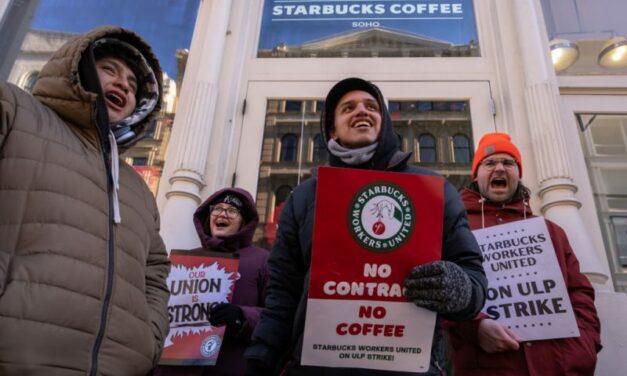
370	229
197	281
526	289
293	24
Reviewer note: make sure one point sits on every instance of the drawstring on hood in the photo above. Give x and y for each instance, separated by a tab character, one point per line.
477	204
115	178
112	138
482	201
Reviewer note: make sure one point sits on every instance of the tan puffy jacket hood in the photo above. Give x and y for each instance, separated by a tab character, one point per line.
62	81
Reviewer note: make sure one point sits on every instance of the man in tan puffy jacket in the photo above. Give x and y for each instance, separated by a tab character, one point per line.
82	265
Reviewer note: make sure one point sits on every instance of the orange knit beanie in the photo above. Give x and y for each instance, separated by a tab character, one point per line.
492	143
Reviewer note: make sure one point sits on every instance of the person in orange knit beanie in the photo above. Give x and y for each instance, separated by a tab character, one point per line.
484	346
493	143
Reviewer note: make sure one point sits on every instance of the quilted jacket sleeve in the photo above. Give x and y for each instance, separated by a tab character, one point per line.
157	293
460	246
7	116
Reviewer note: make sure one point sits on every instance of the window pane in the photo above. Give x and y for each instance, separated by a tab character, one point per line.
320	149
422	122
293	106
288	148
619	225
605	150
283	167
410	124
426	144
461	146
165	24
608	135
403	28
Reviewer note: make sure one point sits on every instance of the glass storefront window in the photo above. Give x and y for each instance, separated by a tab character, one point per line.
428	129
604	140
352	28
166	25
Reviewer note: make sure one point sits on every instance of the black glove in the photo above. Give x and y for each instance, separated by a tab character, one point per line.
227	314
440	286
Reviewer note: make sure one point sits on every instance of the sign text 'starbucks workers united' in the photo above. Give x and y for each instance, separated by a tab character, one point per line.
381	217
370	229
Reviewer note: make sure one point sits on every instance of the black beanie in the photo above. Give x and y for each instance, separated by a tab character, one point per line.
231	200
336	93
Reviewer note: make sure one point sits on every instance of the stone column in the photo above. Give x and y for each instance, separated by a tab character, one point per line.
183	176
15	19
557	188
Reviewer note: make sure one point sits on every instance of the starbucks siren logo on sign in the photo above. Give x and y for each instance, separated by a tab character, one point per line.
381	217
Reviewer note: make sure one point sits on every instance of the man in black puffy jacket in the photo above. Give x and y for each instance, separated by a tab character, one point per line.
359	132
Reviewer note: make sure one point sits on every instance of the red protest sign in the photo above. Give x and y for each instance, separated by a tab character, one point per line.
197	281
370	229
366	217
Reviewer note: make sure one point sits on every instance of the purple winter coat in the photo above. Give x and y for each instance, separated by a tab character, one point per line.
249	288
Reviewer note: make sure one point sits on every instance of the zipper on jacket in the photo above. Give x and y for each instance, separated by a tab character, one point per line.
106	157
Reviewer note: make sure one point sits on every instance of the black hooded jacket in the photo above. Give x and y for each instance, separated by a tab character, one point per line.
278	336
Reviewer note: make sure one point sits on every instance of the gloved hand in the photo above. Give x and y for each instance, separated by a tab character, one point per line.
440	286
255	367
227	314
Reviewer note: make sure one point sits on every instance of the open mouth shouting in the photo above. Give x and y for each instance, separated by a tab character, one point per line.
119	86
221	225
115	99
498	183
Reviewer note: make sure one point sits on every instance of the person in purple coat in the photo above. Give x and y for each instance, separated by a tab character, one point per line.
226	223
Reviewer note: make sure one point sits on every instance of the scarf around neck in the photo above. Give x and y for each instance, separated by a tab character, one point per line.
352	157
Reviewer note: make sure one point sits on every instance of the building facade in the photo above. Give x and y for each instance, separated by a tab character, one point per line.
548	72
249	117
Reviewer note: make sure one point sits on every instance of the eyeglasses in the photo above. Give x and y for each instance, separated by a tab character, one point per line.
492	163
231	212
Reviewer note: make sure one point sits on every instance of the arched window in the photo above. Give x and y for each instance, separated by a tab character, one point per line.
320	149
426	147
289	143
461	149
29	81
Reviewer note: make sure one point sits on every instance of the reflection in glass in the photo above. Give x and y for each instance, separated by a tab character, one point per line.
286	162
604	140
402	28
288	148
320	149
426	145
165	24
461	146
